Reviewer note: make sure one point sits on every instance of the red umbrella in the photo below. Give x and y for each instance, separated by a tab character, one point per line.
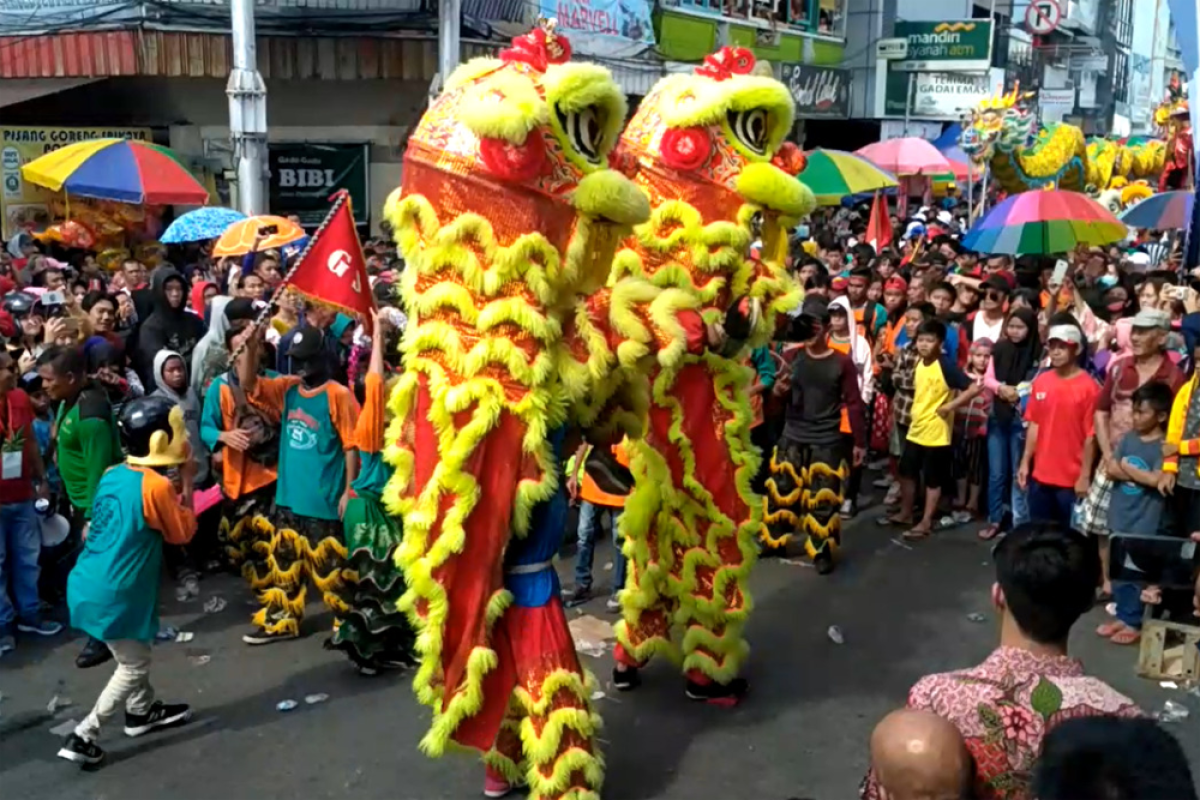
907	156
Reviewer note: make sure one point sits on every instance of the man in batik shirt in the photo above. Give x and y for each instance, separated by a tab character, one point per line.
1046	578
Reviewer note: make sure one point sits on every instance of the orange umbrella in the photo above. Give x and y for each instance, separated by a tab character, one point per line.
256	234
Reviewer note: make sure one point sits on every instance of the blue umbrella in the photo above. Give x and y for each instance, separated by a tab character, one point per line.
1168	211
295	248
201	224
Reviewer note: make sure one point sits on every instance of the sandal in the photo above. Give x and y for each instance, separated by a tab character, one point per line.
1109	629
989	533
887	520
916	534
1126	636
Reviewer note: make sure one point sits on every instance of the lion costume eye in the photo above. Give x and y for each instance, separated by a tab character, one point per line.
751	128
585	130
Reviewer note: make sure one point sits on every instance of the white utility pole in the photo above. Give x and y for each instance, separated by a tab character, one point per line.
449	37
248	112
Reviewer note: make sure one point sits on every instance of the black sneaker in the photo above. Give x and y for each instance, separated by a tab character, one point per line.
577	596
93	654
823	561
160	715
260	636
718	694
81	751
626	681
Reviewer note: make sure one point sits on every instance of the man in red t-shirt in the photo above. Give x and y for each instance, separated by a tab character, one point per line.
1060	445
20	533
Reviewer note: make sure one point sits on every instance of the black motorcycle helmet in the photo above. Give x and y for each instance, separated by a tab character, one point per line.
152	432
19	304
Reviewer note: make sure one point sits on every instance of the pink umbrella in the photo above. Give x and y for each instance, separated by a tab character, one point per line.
908	156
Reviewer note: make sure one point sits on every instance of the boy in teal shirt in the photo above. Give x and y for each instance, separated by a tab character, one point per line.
113	590
318	462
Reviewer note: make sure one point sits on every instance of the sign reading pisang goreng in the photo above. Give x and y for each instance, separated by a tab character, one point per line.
952	46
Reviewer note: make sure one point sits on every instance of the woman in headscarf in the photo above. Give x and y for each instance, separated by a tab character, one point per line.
202	294
210	358
1014	363
845	338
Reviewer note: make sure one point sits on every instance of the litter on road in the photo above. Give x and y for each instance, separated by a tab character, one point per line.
56	703
64	728
215	604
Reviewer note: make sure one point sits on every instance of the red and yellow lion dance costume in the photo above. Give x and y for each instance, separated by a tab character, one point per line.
702	147
509	218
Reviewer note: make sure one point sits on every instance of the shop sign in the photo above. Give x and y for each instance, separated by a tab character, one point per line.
950	46
23	205
818	91
948	95
305	174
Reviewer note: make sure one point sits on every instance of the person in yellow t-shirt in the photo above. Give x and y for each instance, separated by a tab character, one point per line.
940	387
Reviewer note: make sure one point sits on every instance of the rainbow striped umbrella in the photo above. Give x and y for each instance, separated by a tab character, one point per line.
1044	223
117	169
1168	211
833	174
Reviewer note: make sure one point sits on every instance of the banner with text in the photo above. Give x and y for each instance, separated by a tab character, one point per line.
24	206
305	174
612	28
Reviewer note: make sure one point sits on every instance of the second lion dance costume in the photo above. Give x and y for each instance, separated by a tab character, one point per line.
702	148
506	216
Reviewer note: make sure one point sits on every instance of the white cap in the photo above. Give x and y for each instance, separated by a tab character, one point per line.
1066	333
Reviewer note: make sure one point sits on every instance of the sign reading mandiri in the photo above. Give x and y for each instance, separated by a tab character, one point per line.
950	46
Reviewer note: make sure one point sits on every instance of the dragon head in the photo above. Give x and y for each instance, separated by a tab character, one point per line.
999	122
716	140
1111	200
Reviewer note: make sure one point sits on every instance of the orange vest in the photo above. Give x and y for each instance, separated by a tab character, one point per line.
589	491
844	349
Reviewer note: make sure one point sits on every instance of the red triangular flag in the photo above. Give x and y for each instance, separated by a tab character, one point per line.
879	227
332	269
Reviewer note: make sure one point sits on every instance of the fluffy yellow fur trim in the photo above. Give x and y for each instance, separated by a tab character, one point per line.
690	100
770	187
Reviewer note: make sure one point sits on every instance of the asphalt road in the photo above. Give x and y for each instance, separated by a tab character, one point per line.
802	732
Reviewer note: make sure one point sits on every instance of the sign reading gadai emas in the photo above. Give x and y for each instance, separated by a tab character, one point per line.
818	91
953	46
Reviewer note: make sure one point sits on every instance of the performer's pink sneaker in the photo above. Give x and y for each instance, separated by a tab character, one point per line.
494	784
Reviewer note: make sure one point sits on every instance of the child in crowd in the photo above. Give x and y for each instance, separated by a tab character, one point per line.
1136	506
970	437
904	366
171	378
1060	443
43	425
927	448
